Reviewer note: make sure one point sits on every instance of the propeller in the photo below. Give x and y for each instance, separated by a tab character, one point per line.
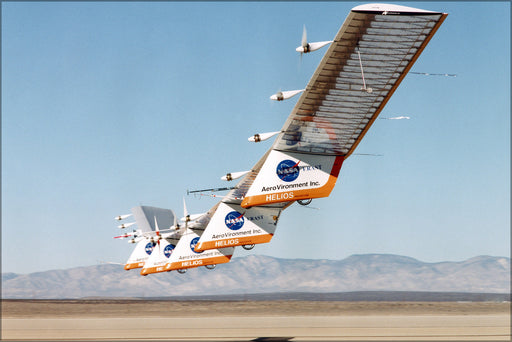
262	136
176	224
304	41
306	47
122	217
285	95
185	213
158	236
125	225
233	175
187	217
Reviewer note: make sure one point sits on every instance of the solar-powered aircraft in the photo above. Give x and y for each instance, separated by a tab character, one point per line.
364	64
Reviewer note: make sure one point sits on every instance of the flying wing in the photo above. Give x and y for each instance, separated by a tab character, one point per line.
365	63
367	60
369	57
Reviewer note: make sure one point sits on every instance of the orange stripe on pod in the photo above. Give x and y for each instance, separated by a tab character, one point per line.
233	242
156	269
293	195
198	262
134	265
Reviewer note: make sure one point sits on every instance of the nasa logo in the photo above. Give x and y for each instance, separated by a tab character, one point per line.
288	170
193	244
168	250
234	220
149	248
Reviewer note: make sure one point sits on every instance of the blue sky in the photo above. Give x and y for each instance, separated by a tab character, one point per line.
106	106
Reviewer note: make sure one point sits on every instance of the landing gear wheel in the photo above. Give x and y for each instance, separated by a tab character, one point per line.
248	247
305	202
182	271
210	267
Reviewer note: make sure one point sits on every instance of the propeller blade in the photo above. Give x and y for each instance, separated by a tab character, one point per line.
175	223
157	234
156	225
185	212
304	41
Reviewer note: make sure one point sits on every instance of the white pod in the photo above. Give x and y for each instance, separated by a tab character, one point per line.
312	46
233	175
262	136
122	217
285	95
126	225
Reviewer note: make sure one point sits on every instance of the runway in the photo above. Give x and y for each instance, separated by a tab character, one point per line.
425	322
327	328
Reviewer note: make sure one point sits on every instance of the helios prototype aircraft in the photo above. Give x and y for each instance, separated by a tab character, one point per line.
364	64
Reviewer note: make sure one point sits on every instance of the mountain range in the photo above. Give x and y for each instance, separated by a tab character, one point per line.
257	274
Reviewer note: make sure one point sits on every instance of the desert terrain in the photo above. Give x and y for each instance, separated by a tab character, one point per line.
253	320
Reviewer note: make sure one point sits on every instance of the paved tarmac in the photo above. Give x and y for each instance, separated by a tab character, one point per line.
386	321
328	328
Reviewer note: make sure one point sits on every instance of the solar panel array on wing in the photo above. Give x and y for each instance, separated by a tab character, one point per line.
368	59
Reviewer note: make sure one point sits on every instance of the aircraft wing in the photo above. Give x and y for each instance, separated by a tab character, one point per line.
369	57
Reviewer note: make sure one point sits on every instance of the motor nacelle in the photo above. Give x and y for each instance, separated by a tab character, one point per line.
285	95
122	217
310	47
233	175
262	136
125	225
190	218
306	47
